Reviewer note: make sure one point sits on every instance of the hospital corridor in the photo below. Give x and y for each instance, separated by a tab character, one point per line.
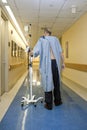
23	97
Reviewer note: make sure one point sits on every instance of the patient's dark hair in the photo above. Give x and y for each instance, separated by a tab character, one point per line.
47	31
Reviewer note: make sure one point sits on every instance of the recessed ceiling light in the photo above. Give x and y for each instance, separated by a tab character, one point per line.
73	9
26	28
4	1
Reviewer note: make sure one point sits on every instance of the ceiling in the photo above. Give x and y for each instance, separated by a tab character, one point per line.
54	14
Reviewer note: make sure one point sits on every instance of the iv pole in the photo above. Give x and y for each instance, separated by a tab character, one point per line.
31	98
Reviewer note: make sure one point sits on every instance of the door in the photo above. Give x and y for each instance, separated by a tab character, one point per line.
2	56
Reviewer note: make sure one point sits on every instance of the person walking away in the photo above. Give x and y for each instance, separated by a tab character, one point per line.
51	60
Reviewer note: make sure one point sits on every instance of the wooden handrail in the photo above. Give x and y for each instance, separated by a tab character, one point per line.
80	67
13	66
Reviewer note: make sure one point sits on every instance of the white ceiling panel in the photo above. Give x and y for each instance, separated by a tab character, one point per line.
63	20
46	13
51	4
46	19
25	4
45	23
29	20
32	14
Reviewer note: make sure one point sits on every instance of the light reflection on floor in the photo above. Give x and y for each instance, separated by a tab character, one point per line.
36	75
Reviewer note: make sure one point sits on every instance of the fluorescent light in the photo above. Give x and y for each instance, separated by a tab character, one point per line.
16	23
73	9
26	28
4	1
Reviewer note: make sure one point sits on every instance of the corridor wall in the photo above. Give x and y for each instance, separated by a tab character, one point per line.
17	63
74	43
12	55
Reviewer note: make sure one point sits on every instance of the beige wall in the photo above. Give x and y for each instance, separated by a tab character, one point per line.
77	50
16	65
17	39
14	75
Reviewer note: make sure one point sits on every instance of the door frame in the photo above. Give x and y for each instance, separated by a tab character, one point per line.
2	15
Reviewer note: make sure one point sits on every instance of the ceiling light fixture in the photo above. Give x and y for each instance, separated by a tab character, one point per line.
26	28
73	9
4	1
16	23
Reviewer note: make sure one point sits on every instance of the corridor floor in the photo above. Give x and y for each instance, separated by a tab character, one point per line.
71	115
